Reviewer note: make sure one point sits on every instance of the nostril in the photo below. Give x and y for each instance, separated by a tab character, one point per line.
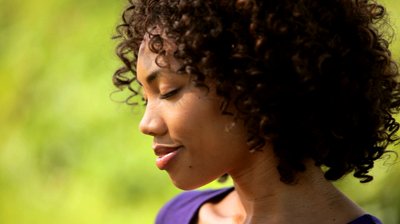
152	125
145	131
143	127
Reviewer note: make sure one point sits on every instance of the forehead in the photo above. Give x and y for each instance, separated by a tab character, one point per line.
145	56
145	62
149	61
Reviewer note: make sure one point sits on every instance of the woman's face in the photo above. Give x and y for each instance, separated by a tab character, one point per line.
190	136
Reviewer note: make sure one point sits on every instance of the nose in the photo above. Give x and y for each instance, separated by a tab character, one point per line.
152	122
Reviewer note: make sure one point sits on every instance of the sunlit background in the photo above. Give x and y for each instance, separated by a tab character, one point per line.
69	153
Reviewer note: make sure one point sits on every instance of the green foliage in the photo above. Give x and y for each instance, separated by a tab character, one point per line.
68	152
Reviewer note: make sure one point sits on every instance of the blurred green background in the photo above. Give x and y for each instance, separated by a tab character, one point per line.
68	152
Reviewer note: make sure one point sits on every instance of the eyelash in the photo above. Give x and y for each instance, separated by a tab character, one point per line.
162	96
169	94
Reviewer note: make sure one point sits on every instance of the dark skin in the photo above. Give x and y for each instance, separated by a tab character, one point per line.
267	92
328	62
312	196
251	202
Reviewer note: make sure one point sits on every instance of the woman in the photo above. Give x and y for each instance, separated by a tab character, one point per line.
283	96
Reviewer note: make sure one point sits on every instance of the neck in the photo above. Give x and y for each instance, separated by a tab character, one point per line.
266	199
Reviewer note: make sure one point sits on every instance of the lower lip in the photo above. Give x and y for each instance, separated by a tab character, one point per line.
163	161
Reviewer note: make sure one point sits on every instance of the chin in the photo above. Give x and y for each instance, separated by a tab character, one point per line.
188	184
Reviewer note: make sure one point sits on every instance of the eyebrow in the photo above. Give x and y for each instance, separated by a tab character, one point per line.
150	78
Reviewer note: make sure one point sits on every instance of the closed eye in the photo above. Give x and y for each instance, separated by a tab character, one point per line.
169	94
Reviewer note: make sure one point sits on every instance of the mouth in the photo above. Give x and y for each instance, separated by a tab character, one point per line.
165	155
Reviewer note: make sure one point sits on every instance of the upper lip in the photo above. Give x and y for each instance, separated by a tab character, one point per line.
161	150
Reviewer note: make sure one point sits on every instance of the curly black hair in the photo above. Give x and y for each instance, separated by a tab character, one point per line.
314	78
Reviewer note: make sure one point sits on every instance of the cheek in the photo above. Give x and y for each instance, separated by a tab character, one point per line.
194	114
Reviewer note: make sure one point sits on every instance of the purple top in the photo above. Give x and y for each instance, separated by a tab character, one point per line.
183	208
